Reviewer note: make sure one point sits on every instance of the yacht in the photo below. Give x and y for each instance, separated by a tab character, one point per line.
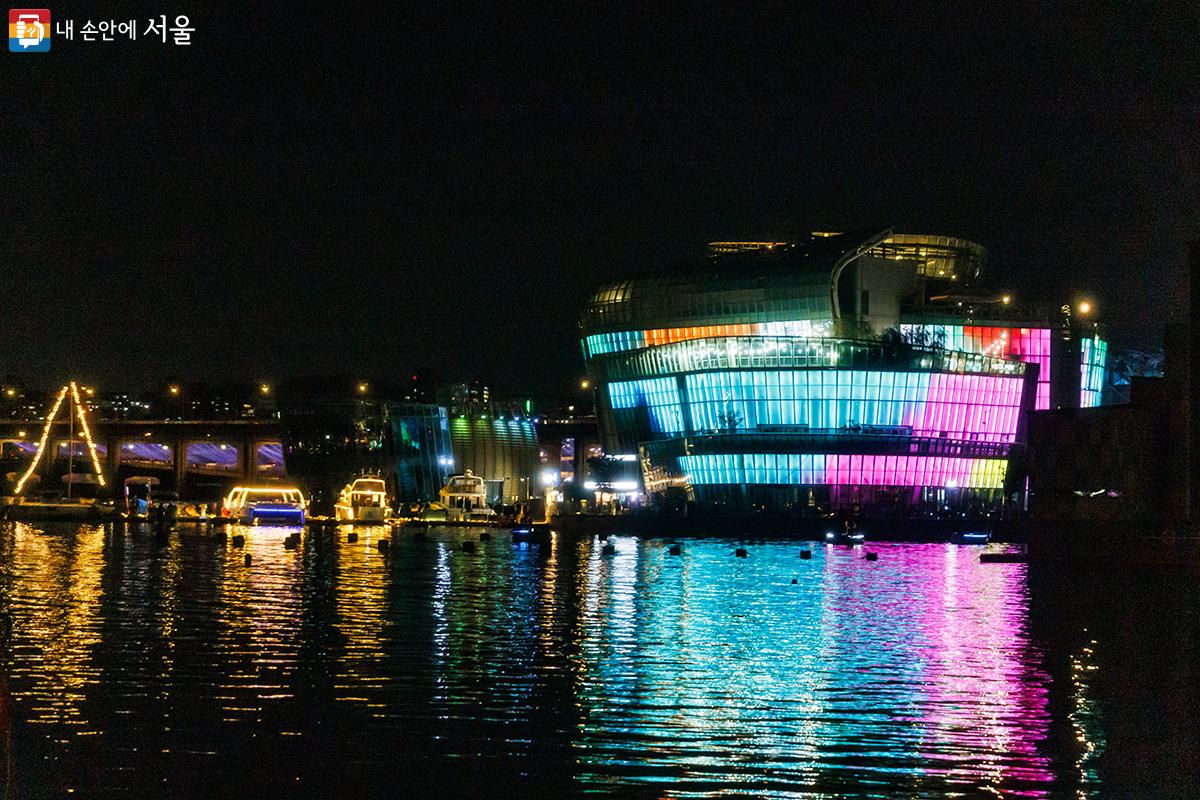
465	497
363	500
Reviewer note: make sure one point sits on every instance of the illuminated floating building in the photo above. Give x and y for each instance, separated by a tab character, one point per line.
847	369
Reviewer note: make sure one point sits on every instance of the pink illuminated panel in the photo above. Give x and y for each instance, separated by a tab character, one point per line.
1031	345
977	407
844	470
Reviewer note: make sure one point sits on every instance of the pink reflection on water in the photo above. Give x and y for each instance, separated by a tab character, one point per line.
982	684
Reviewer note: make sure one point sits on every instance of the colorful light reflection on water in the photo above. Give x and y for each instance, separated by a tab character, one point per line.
137	667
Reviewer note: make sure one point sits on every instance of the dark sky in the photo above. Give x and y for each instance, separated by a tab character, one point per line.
370	189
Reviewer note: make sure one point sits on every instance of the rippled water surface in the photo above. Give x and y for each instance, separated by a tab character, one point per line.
140	668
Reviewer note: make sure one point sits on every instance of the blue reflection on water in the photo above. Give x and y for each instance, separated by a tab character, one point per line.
705	669
521	669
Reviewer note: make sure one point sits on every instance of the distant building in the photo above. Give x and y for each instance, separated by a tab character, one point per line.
337	429
503	450
422	454
847	370
465	397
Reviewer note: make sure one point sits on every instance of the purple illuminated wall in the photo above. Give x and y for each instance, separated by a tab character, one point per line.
147	452
212	456
269	459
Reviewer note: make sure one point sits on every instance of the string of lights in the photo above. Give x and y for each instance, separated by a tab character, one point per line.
87	434
58	401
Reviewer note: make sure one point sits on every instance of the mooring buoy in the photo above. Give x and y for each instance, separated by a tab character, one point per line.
806	554
609	550
352	537
468	547
675	550
740	552
383	545
872	556
484	536
238	540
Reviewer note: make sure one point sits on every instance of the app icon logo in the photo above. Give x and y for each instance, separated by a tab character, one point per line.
29	30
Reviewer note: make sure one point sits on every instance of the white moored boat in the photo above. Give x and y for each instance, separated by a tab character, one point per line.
465	497
363	500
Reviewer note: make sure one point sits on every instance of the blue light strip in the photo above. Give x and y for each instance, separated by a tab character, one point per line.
660	396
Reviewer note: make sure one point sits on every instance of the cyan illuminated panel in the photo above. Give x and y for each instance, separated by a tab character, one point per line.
604	343
980	408
659	395
1094	355
1031	345
823	469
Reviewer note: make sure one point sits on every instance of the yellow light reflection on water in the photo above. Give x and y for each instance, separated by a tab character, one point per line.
65	634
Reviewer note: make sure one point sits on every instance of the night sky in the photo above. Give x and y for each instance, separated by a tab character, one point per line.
331	189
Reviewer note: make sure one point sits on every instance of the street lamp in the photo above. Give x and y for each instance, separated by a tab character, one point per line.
1085	308
362	387
264	389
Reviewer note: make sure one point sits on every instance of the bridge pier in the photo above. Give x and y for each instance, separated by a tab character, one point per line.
249	457
179	460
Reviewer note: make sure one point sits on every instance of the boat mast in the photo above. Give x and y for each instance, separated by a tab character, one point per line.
70	442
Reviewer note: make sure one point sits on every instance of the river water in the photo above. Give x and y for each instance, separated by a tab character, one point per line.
140	668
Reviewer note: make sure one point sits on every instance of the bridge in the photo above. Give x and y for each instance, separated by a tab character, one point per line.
182	454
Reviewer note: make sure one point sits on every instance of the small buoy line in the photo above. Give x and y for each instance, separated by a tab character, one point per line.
537	533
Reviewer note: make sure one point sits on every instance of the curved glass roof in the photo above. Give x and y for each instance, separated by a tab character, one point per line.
755	282
784	283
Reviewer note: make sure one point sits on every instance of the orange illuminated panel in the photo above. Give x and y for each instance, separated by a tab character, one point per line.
661	336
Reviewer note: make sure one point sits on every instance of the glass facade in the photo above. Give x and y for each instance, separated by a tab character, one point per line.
602	343
736	290
816	469
935	256
972	407
660	396
778	352
1031	345
791	412
420	441
1093	358
742	381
